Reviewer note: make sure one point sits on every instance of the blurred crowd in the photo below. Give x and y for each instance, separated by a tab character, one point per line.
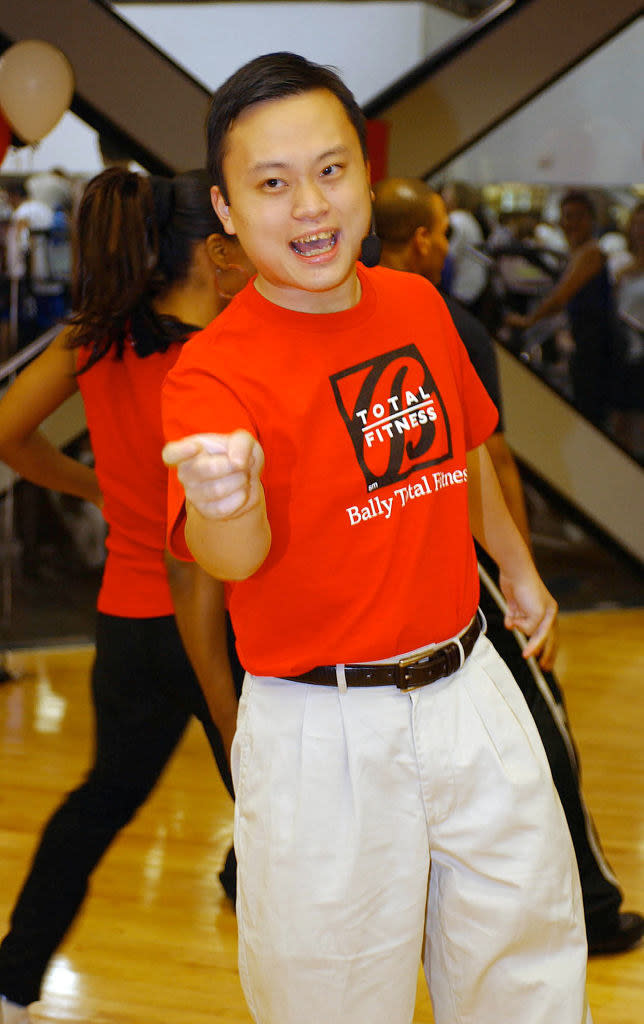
557	275
35	253
559	278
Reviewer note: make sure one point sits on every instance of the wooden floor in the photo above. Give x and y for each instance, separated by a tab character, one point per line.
156	942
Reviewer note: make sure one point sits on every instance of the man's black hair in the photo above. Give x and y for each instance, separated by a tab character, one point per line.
271	77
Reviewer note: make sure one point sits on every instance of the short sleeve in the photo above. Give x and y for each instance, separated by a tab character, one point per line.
194	401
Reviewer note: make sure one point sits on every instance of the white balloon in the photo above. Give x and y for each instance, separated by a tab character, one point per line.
36	87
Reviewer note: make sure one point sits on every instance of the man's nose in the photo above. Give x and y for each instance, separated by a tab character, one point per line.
309	200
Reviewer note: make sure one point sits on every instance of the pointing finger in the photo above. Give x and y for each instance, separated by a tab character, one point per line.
187	447
178	451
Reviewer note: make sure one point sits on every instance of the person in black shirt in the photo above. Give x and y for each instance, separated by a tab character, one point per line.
411	222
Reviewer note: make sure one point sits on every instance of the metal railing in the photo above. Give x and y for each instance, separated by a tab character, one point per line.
29	352
9	548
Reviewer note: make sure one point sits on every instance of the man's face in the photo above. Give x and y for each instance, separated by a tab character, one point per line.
436	242
299	198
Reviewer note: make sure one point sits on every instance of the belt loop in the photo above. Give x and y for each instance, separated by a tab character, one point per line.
461	652
341	677
481	615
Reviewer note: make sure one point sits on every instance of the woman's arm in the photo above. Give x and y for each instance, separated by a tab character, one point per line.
531	608
585	263
200	613
39	390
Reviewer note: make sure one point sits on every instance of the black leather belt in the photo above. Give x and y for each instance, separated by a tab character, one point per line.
408	673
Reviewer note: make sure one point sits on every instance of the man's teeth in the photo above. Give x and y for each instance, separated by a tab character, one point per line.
312	245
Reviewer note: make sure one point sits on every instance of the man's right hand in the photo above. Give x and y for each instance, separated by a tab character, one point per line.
219	472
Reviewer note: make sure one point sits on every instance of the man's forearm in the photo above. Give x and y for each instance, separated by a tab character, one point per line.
530	607
490	518
229	549
510	482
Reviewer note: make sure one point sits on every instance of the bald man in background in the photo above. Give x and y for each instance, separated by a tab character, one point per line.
412	222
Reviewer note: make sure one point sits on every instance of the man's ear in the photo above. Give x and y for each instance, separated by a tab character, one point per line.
421	239
222	209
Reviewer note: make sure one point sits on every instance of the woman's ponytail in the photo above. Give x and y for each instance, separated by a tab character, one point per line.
134	240
115	256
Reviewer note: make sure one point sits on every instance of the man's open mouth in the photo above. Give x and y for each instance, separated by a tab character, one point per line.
315	244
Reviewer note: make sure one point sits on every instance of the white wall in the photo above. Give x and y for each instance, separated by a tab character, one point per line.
369	43
586	129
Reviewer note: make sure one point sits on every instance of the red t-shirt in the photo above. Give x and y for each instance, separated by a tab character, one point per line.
122	399
365	417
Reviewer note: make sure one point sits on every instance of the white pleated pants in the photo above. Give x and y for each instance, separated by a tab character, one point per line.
375	827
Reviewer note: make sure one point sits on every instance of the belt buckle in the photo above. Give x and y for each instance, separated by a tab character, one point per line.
412	659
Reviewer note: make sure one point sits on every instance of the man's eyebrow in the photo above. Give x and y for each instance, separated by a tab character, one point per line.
336	151
267	165
279	165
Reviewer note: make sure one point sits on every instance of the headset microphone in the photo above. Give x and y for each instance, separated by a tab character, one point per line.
371	248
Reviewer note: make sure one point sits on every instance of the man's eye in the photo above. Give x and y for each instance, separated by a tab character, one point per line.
331	169
272	183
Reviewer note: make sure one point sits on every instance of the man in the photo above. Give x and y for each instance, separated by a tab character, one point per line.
323	438
411	222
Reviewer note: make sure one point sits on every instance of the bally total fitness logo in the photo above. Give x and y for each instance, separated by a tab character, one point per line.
394	414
